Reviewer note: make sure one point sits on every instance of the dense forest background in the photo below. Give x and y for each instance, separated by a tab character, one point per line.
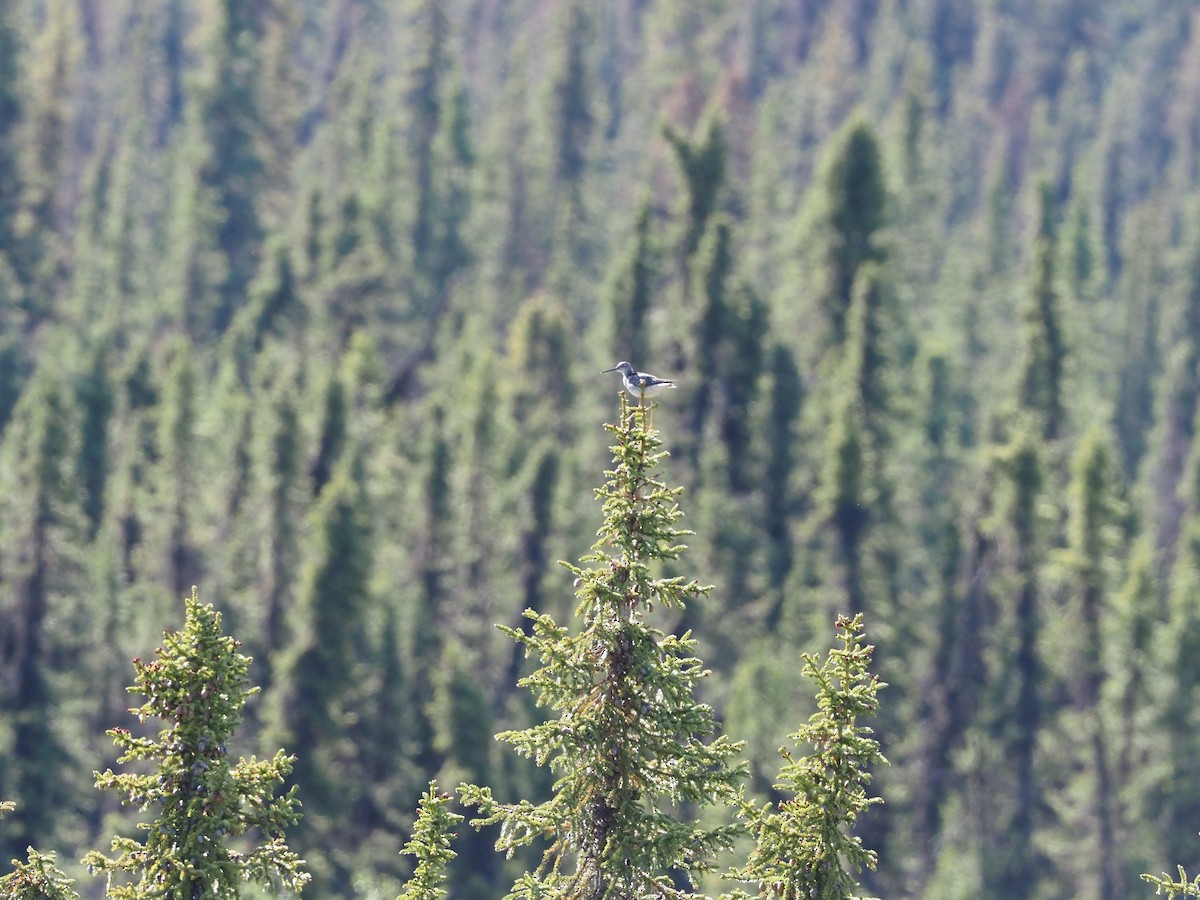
305	303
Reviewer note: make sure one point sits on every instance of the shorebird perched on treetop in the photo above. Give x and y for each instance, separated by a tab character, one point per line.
640	384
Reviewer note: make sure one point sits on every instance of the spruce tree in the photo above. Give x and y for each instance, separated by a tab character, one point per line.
571	125
34	765
170	39
430	844
703	263
10	116
218	236
95	394
950	693
272	302
1041	386
866	354
116	261
464	722
628	291
850	216
1177	407
857	494
806	846
176	483
440	155
725	354
218	823
633	749
281	86
1016	862
1139	356
424	97
510	240
1134	612
711	270
844	495
318	682
701	162
37	879
1093	512
332	433
533	537
281	463
53	64
572	114
483	430
785	398
432	551
1172	799
932	487
352	271
538	381
743	363
453	177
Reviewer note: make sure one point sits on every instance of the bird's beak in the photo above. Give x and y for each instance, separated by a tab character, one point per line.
613	369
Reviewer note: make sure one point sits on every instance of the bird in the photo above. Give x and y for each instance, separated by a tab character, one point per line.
640	384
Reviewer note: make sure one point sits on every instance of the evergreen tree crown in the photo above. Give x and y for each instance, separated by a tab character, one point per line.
634	750
197	686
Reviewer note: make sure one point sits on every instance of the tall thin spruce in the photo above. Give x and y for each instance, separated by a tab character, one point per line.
430	844
805	846
636	754
208	809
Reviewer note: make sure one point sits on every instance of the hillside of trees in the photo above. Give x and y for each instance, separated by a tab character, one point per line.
306	304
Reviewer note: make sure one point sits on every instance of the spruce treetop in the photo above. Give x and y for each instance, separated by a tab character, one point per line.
37	879
430	844
197	685
805	847
635	752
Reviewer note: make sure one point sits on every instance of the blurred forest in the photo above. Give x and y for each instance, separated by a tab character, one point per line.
305	302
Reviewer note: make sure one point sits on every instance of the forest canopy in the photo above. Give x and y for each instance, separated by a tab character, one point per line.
306	305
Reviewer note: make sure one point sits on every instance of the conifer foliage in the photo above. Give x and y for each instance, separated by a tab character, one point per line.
37	879
297	300
1172	889
197	685
430	844
805	847
634	750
